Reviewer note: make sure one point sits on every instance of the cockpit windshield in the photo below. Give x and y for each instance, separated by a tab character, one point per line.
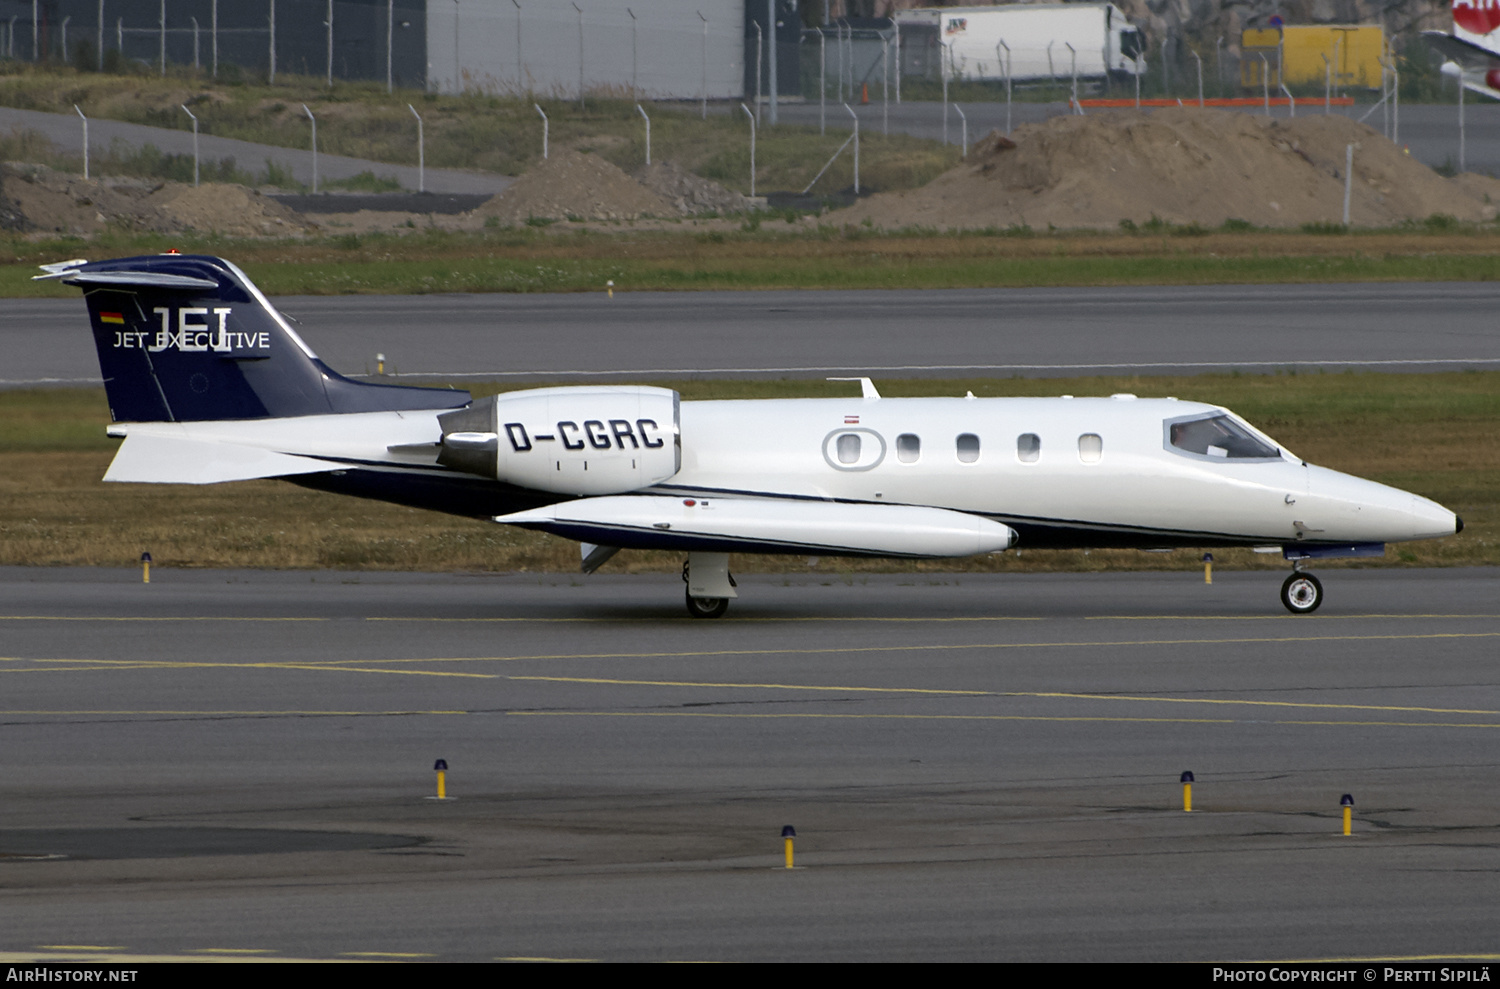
1217	436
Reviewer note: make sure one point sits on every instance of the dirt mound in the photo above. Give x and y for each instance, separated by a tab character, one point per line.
36	198
229	210
688	192
570	184
1184	166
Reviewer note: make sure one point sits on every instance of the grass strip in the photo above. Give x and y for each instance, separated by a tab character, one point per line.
788	255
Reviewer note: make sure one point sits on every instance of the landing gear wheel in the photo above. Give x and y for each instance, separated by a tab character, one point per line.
1302	593
707	607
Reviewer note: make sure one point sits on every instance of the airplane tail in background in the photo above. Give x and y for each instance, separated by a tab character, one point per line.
1474	45
189	338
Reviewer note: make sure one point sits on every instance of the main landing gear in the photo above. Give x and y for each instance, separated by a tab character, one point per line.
709	584
1302	592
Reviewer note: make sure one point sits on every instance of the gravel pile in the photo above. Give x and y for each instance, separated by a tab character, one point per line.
34	198
1184	166
690	194
570	185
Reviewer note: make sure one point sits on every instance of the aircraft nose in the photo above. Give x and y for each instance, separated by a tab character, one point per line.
1458	525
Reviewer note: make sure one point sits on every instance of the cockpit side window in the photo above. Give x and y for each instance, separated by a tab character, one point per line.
1216	437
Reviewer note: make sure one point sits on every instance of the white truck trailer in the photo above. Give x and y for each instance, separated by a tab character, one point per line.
966	42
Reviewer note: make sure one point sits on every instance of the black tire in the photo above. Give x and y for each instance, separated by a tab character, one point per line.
707	607
1302	594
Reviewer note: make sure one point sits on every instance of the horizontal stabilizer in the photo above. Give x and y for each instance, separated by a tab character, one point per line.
723	525
1460	50
155	459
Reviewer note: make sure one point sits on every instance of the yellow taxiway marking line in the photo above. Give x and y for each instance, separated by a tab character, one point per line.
4	713
95	665
157	618
334	664
542	958
386	665
385	954
232	951
762	686
1251	703
1006	693
367	665
32	957
910	620
998	717
1263	618
674	620
80	947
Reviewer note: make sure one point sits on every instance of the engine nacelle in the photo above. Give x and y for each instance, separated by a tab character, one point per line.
582	441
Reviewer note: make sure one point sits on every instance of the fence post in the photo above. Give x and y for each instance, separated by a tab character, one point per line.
856	147
705	64
85	141
421	152
772	92
520	66
195	142
648	136
314	146
1348	179
752	147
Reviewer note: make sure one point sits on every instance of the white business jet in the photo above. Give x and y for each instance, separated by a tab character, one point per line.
208	383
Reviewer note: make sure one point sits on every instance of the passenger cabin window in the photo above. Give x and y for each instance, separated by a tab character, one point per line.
1090	448
848	448
908	448
968	448
1028	448
1217	436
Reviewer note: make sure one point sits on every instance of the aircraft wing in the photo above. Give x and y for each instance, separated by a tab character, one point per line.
771	525
1465	53
1477	62
154	458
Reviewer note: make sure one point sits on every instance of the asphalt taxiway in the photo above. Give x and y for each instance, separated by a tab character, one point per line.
636	336
240	764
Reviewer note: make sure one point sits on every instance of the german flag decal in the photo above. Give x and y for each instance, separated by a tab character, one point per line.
112	317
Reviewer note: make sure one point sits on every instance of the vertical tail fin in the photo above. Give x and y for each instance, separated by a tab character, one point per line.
184	338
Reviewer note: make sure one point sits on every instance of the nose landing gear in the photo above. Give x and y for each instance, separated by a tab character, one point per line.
1302	593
